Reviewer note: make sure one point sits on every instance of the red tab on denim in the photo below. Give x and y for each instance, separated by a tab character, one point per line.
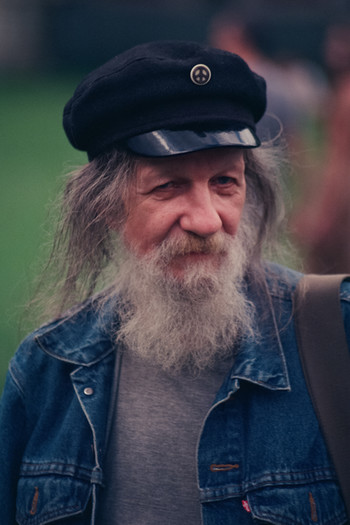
246	505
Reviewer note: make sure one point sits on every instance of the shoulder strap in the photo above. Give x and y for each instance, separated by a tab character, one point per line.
325	357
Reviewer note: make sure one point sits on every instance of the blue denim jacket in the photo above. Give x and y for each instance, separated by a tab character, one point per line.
261	455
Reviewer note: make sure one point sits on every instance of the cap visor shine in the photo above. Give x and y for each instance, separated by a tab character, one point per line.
164	142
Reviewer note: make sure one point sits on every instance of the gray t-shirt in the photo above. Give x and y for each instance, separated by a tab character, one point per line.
150	469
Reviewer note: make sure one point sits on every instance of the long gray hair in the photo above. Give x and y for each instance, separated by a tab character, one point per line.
85	247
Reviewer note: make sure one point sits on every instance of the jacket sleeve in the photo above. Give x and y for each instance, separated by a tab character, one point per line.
12	442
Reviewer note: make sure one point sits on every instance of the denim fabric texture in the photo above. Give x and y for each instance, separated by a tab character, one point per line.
261	455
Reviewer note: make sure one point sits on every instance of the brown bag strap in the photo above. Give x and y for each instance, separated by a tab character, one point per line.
325	358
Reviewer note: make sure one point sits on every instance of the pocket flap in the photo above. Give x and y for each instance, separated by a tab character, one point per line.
318	503
41	499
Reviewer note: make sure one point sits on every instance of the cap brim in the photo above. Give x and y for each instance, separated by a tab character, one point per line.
164	142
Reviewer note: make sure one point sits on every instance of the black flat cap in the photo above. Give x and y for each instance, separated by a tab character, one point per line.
165	98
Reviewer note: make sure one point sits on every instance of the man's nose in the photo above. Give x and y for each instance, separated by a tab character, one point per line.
200	215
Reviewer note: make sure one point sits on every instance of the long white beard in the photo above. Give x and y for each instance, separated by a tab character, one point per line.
189	321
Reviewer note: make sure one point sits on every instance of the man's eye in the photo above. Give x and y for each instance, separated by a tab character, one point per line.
166	186
224	180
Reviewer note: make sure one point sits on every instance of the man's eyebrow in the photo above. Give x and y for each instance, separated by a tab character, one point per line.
153	177
155	173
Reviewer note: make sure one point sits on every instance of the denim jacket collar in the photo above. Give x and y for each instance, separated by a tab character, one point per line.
260	360
82	337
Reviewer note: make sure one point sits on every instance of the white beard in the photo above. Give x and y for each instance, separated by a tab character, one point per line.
189	321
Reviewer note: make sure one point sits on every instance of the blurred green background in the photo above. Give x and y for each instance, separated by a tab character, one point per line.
34	155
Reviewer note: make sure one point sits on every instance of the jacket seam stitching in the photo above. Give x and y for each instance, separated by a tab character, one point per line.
16	381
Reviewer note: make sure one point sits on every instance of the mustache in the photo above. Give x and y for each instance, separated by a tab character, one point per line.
190	243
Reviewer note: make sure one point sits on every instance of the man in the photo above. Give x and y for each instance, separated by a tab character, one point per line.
175	394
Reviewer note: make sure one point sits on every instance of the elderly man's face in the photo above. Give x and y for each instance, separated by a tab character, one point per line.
195	196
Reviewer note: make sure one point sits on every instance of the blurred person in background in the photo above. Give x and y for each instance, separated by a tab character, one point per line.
322	224
171	391
296	88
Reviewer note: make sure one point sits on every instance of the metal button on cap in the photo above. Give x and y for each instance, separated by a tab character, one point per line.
88	391
200	74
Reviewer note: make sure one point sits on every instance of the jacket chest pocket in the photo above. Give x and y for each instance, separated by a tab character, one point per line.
43	499
313	504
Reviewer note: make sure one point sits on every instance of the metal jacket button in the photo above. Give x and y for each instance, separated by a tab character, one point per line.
88	391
